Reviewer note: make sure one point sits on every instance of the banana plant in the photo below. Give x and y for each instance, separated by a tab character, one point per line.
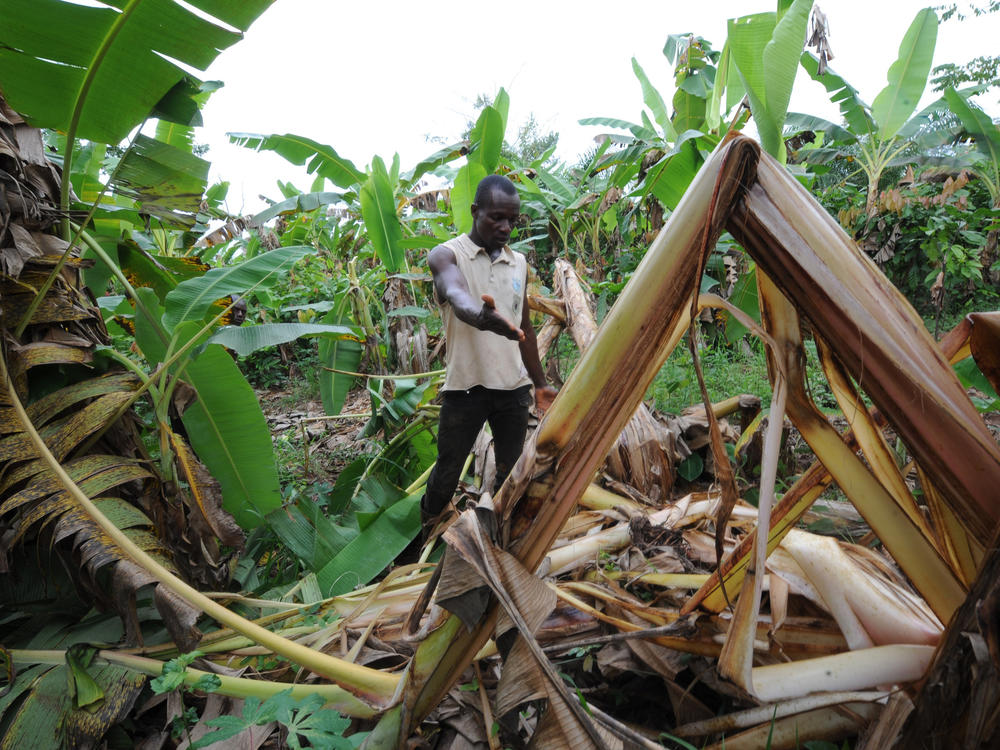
666	148
878	135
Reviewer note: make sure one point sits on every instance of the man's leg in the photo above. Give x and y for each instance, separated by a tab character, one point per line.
509	422
463	414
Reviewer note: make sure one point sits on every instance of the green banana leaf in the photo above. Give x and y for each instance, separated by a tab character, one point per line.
907	76
744	296
487	137
651	97
463	193
301	203
766	52
502	104
99	71
378	210
689	111
309	534
670	177
179	112
852	108
796	122
225	425
158	272
435	160
191	299
229	433
639	131
319	158
977	124
247	339
342	354
748	36
374	548
166	181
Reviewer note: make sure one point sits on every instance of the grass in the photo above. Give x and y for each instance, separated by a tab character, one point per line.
728	372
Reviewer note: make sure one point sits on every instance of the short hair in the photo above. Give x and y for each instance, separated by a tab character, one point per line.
490	183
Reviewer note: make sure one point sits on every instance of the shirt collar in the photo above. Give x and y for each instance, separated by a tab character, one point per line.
506	254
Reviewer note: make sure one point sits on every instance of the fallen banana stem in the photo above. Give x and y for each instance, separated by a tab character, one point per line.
832	724
853	670
760	714
666	580
736	659
867	609
680	627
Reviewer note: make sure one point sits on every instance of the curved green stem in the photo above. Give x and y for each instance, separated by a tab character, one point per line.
234	687
117	273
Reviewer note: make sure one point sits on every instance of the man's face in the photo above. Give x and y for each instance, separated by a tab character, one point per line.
494	220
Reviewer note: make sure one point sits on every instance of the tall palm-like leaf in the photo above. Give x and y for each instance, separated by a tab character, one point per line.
97	72
766	51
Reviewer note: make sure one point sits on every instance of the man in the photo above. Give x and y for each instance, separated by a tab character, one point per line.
492	364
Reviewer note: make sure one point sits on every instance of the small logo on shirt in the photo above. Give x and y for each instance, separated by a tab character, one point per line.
517	285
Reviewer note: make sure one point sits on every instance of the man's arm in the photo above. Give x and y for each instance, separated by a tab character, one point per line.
544	393
451	286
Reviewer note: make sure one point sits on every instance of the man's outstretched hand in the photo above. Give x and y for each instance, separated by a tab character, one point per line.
491	320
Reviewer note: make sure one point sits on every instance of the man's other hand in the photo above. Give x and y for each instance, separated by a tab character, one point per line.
544	397
491	320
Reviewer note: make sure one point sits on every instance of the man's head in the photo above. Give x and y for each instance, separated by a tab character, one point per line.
494	212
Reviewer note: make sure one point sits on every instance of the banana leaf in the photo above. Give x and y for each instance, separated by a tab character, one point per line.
487	138
979	125
249	339
166	181
302	203
435	160
654	101
343	354
319	158
852	108
907	75
46	716
191	299
374	548
463	193
378	209
99	71
766	51
228	431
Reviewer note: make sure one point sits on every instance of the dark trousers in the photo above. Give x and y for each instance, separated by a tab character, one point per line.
463	414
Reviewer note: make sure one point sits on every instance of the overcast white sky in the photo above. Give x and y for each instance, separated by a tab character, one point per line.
377	77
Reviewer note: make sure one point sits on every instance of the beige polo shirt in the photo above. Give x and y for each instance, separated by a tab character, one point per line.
477	357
